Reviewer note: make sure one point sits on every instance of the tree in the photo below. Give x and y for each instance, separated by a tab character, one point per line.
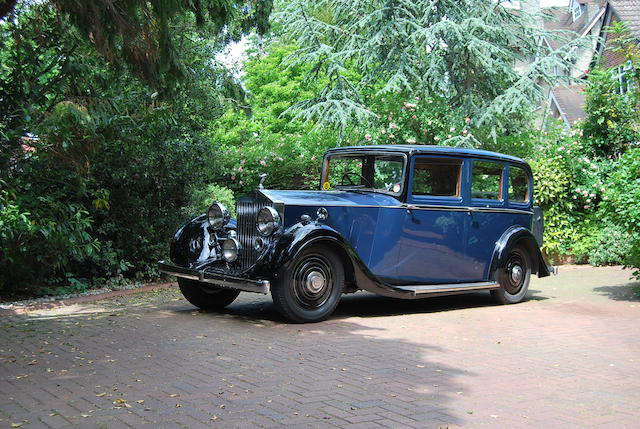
146	34
612	98
94	167
461	51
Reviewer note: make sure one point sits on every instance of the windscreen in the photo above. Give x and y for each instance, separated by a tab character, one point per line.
378	173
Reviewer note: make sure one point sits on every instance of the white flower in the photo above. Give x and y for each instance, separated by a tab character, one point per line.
411	141
367	136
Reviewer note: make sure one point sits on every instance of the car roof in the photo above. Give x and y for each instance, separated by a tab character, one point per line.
429	149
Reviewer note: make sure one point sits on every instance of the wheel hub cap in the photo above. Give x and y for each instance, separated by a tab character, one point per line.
516	274
315	281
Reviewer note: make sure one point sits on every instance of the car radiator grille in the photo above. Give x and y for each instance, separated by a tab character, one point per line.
247	212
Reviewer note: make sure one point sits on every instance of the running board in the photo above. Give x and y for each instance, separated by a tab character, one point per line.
448	288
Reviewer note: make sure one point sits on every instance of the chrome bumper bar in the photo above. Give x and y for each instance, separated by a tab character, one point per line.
216	279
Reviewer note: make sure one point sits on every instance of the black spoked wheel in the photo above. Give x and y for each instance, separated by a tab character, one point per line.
206	296
513	278
310	290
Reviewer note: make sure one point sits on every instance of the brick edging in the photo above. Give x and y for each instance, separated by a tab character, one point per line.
85	298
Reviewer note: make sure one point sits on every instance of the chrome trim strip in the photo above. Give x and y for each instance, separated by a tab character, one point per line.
221	280
429	207
450	287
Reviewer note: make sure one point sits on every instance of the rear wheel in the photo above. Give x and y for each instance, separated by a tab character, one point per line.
513	278
310	289
206	296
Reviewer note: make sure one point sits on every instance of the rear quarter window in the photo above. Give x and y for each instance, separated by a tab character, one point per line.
518	185
486	180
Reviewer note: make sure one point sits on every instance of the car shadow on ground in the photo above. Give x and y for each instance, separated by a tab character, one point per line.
622	292
364	304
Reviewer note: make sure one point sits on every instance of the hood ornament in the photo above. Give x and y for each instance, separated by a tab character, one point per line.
262	176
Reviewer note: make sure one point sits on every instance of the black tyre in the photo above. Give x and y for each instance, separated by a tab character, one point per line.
310	289
205	296
513	278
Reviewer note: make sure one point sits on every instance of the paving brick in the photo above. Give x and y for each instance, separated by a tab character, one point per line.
562	359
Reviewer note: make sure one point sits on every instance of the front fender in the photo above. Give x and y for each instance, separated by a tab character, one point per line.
300	237
511	237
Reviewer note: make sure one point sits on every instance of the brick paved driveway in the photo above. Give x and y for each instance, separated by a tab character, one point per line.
568	357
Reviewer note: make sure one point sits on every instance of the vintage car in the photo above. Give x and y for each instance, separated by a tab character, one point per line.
403	221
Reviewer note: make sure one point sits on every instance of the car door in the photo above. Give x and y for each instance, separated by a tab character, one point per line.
500	197
433	232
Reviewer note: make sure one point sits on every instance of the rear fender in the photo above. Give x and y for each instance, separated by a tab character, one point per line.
519	235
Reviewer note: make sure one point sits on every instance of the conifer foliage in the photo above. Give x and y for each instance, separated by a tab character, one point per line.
144	33
464	51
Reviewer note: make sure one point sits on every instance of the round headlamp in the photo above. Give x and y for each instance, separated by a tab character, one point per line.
230	249
218	215
268	221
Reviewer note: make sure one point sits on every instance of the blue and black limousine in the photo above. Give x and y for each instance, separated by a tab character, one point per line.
402	221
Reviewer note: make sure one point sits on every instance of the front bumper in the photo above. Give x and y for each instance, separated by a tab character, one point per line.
216	279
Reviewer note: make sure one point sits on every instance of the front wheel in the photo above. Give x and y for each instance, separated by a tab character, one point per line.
310	289
513	278
205	296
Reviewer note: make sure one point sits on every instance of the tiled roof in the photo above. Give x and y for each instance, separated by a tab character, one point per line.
629	12
561	19
571	101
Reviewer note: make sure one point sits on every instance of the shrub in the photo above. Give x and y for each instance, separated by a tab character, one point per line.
43	243
202	196
612	246
621	203
569	186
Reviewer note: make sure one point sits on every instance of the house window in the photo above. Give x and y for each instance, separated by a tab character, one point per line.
437	177
486	180
576	9
623	75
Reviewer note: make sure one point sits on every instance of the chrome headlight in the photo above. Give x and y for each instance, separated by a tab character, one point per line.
218	215
230	249
267	221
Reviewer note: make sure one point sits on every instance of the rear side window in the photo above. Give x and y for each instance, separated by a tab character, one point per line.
437	177
486	180
518	185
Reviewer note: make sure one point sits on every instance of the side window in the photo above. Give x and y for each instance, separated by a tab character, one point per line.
518	185
486	180
437	177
